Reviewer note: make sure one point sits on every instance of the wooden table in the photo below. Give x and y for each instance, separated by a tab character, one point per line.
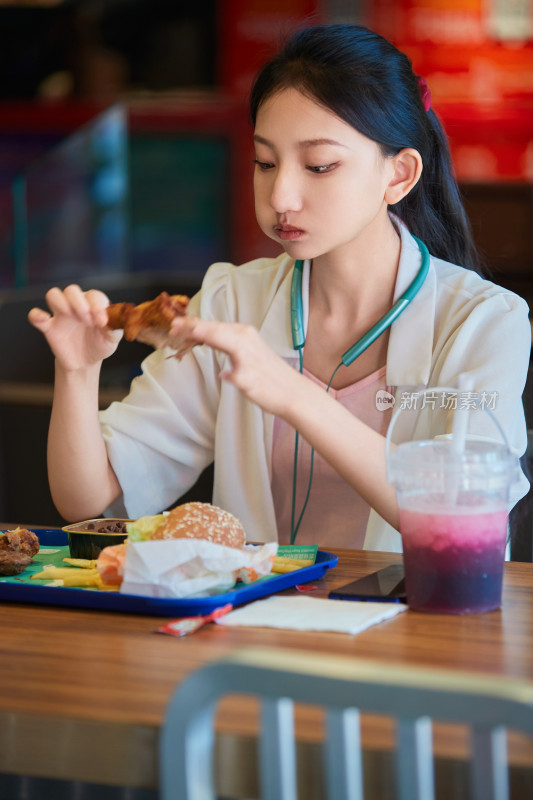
83	693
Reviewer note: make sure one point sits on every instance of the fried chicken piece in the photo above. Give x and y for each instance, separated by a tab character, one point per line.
17	547
13	562
154	315
19	540
29	542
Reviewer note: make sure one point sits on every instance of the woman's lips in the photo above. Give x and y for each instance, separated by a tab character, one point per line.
288	232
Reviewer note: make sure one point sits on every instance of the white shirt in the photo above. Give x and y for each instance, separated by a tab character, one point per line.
179	416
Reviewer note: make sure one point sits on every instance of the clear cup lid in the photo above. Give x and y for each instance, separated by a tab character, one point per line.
479	459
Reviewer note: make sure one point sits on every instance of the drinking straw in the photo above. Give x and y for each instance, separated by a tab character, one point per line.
465	383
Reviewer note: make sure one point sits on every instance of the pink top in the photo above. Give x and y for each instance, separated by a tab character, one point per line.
335	515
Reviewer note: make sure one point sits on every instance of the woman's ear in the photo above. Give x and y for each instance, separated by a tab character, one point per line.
407	171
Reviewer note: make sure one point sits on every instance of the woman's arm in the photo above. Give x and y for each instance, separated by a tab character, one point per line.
354	450
82	482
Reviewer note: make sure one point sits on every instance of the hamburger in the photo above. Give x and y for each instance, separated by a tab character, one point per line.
187	521
190	521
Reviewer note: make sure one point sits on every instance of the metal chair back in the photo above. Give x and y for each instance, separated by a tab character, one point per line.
344	687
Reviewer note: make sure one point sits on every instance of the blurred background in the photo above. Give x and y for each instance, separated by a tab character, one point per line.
126	160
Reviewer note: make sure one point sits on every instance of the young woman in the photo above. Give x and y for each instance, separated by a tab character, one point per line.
351	165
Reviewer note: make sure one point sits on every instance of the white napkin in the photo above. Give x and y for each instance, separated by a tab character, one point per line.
312	614
191	567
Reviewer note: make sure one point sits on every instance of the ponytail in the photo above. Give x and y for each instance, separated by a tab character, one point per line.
370	84
433	210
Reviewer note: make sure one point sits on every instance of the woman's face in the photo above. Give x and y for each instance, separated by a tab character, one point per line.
319	184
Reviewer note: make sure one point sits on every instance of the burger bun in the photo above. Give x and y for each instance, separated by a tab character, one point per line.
201	521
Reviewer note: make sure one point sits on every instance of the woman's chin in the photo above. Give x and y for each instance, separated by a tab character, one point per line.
297	249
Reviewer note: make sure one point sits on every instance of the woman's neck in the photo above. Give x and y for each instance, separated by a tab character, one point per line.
358	278
349	291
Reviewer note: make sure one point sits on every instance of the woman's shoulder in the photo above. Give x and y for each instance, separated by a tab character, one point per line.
456	284
252	285
469	286
264	269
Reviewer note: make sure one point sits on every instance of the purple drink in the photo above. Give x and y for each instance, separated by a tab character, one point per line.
453	557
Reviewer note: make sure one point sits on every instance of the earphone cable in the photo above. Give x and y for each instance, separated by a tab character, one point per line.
294	530
298	340
295	468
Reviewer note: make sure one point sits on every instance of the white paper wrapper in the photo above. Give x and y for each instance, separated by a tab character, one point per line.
191	567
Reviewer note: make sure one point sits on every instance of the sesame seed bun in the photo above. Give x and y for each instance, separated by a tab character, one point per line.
201	521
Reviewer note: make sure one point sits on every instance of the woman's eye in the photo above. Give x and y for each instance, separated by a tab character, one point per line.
321	169
264	165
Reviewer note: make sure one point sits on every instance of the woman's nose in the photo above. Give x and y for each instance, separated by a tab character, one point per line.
286	192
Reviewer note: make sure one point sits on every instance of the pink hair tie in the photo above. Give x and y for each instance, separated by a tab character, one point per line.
425	94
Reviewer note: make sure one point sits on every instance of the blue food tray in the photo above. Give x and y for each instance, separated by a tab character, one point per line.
161	606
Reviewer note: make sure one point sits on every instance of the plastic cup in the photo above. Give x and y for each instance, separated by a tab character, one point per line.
453	522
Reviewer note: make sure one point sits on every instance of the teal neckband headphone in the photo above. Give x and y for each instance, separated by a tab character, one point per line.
298	342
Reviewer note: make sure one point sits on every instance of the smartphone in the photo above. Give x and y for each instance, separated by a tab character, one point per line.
387	585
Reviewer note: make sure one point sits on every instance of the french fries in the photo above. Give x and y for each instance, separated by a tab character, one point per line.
60	573
75	577
84	563
282	564
88	580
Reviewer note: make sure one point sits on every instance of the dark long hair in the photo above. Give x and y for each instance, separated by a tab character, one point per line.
370	84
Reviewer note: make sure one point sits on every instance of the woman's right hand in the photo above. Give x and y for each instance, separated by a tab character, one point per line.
76	329
256	370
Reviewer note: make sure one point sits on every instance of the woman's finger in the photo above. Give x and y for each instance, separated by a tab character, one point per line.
98	303
78	303
40	319
57	302
227	337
